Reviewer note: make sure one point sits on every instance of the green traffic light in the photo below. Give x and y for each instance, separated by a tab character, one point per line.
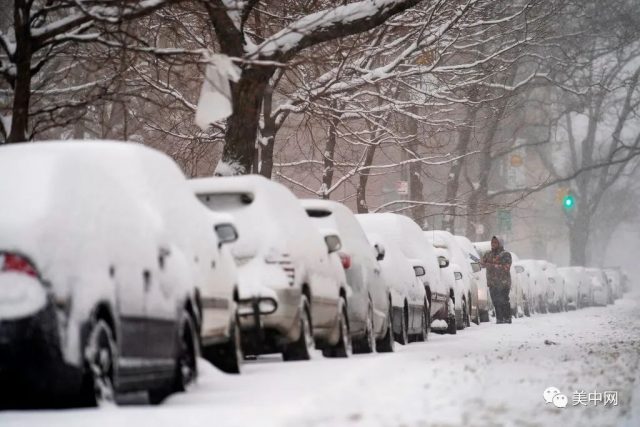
568	201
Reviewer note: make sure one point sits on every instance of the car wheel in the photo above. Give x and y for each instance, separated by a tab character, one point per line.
403	336
227	356
451	318
186	370
484	315
343	347
387	343
101	365
424	331
467	315
476	318
527	312
303	348
367	344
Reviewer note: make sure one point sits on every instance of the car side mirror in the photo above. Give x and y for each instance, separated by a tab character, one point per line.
226	233
419	270
443	262
380	251
475	267
457	275
334	244
519	269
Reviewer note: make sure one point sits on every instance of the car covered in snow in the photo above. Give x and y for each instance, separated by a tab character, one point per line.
368	301
408	308
614	277
479	289
538	284
451	280
519	285
555	289
409	237
572	284
461	265
102	254
600	286
290	296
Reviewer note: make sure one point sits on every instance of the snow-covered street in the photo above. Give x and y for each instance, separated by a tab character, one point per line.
486	375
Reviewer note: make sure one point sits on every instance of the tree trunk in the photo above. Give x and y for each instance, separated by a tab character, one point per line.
579	237
22	88
361	192
453	180
328	162
242	126
415	173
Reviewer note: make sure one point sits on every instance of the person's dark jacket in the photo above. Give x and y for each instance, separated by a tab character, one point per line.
498	265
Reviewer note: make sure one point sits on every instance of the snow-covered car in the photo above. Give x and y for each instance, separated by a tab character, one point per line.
290	296
405	233
600	287
585	287
448	279
408	309
538	284
219	335
555	289
479	290
517	294
460	261
101	256
614	277
368	301
572	283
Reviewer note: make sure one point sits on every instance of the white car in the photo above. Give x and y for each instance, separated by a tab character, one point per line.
410	238
458	257
479	289
290	295
600	286
538	284
519	285
368	302
407	309
572	284
614	277
555	289
102	254
449	280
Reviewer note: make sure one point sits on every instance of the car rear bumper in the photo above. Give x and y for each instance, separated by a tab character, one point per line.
31	360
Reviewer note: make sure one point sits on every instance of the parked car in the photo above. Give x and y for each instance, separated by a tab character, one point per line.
537	284
600	286
585	287
459	259
102	255
448	274
615	281
526	287
555	289
572	284
290	296
517	296
368	302
407	235
479	290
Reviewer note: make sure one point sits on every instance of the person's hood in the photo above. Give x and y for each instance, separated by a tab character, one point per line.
500	245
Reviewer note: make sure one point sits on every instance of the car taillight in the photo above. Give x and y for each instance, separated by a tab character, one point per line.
346	260
16	264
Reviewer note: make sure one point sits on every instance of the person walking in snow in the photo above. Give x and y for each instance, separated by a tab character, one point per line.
498	265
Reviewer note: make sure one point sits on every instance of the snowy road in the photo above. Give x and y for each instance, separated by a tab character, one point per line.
486	375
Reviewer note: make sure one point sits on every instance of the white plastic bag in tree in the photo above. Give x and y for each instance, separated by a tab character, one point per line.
215	96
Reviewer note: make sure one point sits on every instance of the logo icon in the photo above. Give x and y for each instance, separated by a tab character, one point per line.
553	395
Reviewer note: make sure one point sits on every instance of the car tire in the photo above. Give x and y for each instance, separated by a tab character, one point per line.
403	337
302	349
476	319
424	331
527	312
186	371
387	343
484	316
101	366
367	344
343	347
227	356
467	315
452	328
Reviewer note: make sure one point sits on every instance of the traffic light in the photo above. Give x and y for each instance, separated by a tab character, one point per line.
569	201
